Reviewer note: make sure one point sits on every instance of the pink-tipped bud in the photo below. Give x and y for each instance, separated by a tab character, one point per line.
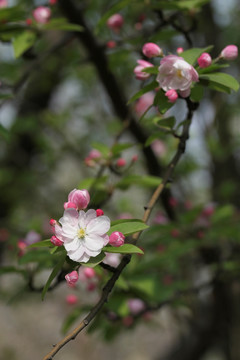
72	277
116	239
28	21
172	95
71	299
204	60
69	205
52	222
111	44
115	22
121	162
230	52
136	306
94	154
89	162
179	50
89	272
42	14
55	241
151	50
80	198
141	75
3	3
99	212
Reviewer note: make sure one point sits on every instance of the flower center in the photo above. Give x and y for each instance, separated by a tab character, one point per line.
179	73
81	233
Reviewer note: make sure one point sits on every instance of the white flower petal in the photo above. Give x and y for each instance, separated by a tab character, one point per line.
73	245
99	226
94	242
76	255
70	216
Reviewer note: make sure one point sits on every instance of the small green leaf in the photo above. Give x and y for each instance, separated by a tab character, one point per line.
165	122
43	243
162	102
53	274
193	54
118	148
94	261
151	138
104	149
124	249
222	79
144	90
128	226
144	181
197	93
23	42
62	24
151	70
13	13
35	256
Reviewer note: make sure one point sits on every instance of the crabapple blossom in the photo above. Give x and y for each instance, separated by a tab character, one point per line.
172	95
78	199
52	222
151	50
42	14
3	3
83	234
115	22
116	239
142	64
136	306
72	277
230	52
204	60
175	73
32	237
144	102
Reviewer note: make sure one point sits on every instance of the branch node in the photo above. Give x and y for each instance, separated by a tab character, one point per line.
85	321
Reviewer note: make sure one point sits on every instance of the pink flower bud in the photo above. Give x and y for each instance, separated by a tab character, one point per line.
89	272
42	14
55	241
172	95
121	162
52	222
115	22
3	3
111	44
80	198
94	154
72	277
28	21
89	162
151	50
230	52
69	205
53	2
116	239
100	212
204	60
71	299
136	306
179	50
141	75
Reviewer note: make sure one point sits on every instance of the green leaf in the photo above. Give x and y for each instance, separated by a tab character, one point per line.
13	13
118	148
165	122
89	182
128	226
53	274
104	149
62	24
222	79
197	93
43	243
118	304
147	284
94	261
144	90
23	42
162	102
151	70
4	133
144	181
193	54
35	256
151	138
124	249
179	4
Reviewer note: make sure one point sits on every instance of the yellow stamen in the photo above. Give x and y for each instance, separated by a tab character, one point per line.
179	73
81	233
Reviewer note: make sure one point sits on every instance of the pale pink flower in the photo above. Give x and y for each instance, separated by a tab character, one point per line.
72	277
83	234
42	14
80	198
144	102
175	73
94	154
116	239
230	52
159	147
136	306
115	22
32	237
204	60
172	95
151	50
3	3
142	64
112	259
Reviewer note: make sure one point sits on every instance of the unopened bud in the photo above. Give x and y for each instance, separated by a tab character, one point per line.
172	95
116	239
204	60
151	50
89	272
42	14
71	299
179	50
121	162
55	241
72	277
100	212
230	52
115	22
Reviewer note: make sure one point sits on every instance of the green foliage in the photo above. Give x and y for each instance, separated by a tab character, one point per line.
193	54
23	41
221	79
143	181
127	226
124	249
54	273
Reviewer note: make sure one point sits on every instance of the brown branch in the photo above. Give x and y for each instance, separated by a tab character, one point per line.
126	259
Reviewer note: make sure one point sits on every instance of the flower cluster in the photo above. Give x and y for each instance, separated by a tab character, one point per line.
83	234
